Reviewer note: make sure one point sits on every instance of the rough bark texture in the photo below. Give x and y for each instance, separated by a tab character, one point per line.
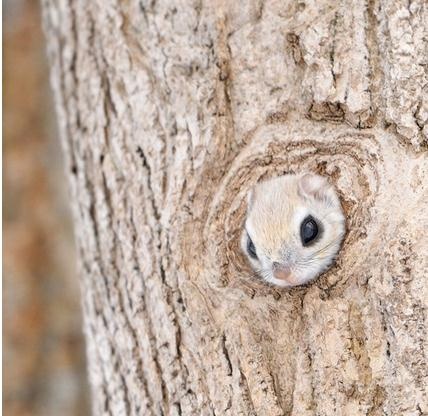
170	111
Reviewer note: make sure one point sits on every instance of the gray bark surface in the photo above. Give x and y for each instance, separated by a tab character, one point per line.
169	112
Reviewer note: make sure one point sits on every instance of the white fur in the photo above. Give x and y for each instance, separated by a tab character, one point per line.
274	217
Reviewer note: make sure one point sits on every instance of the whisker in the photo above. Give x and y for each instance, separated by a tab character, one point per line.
324	248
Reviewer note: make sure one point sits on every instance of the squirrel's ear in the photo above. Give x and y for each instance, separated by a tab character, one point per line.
315	186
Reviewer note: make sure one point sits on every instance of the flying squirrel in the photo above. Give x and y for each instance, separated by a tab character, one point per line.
294	228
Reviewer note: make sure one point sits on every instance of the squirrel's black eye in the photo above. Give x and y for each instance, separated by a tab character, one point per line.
251	248
308	230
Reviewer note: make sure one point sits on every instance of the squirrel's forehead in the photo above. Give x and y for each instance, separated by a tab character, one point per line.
271	231
273	226
271	211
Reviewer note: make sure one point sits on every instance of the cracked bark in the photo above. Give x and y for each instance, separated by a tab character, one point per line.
169	112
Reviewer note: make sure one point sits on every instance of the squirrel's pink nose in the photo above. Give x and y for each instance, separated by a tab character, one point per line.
281	271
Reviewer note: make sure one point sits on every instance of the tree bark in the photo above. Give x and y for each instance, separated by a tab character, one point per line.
169	112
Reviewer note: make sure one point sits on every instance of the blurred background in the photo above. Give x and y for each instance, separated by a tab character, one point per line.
43	346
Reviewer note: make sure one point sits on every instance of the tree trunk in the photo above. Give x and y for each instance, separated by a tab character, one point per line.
169	112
